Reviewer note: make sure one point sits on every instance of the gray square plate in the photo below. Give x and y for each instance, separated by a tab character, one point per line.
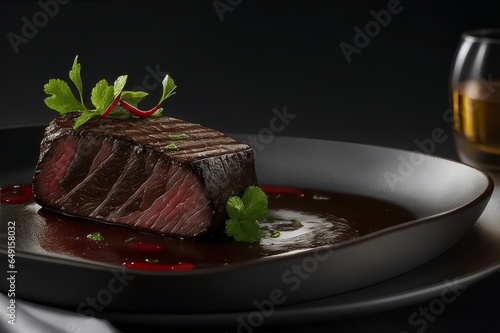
446	197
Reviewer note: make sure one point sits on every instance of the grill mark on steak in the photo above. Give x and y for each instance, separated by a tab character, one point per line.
133	173
133	203
175	200
120	171
93	190
100	158
83	158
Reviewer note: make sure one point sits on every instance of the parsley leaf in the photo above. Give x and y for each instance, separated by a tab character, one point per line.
102	95
74	75
108	100
172	146
178	136
83	118
244	214
128	240
168	88
275	234
255	201
133	97
296	223
96	236
62	99
235	207
119	85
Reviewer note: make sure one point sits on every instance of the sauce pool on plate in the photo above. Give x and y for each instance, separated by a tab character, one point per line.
16	194
298	219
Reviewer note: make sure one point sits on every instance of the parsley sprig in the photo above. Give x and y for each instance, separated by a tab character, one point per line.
244	214
96	236
107	100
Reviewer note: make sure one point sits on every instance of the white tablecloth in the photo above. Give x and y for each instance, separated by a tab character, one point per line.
34	318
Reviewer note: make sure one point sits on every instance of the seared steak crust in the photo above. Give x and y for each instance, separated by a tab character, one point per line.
122	171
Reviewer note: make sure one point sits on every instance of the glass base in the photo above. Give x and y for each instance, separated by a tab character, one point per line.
471	154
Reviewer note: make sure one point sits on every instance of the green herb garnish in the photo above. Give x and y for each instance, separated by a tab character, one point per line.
172	146
244	214
296	223
107	100
271	219
275	233
128	240
96	236
178	136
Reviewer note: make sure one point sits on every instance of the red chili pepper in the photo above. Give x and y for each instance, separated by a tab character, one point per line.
129	107
112	105
281	190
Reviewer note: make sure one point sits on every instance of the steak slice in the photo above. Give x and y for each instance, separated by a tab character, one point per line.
121	171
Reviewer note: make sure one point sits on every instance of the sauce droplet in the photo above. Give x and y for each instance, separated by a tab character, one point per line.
16	194
152	266
145	246
270	189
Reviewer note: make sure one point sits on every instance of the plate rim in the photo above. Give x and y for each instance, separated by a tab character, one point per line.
485	195
475	202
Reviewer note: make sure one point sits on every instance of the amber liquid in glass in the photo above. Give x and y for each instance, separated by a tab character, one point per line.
476	120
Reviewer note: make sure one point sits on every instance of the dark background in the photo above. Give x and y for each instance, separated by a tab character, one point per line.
268	54
265	54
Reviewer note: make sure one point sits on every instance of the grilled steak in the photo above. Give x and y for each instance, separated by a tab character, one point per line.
121	171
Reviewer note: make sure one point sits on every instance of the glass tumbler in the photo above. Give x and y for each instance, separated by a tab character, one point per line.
475	98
